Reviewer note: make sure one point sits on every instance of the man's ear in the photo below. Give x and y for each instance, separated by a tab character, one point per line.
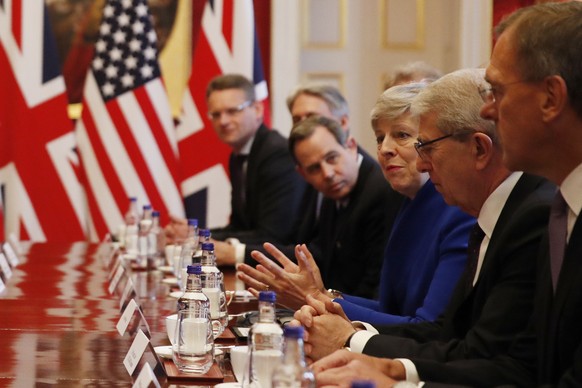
345	122
483	149
555	97
351	143
259	109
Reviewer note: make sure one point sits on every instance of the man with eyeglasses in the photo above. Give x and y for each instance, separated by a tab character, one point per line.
266	188
493	299
371	221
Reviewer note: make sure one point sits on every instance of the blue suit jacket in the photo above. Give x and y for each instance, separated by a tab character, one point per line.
423	260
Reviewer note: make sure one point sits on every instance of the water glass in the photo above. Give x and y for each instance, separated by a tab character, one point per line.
193	348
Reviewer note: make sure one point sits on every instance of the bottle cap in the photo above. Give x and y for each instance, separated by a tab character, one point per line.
204	232
363	384
293	331
193	221
267	296
207	246
155	213
147	207
194	269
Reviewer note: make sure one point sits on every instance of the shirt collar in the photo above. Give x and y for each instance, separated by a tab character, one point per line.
491	209
571	188
246	149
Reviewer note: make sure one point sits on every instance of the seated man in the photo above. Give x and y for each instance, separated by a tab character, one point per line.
266	188
493	300
351	231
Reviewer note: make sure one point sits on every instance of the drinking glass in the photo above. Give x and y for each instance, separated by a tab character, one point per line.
193	348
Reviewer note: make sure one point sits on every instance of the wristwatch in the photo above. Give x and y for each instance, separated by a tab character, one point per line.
335	294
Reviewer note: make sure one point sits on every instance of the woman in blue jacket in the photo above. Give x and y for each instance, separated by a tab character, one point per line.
426	251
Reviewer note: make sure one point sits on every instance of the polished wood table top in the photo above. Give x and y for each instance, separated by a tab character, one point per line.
58	319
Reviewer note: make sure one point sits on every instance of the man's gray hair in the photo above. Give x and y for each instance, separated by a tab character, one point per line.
329	94
456	101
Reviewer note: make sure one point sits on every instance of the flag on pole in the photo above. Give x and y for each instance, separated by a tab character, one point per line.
227	43
42	198
126	134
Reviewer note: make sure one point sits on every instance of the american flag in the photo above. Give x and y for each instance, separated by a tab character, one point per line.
227	43
42	198
126	135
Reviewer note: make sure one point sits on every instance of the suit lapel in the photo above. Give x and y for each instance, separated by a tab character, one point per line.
251	176
524	186
571	267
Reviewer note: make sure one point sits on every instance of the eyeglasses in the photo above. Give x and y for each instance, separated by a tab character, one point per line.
489	94
229	111
424	150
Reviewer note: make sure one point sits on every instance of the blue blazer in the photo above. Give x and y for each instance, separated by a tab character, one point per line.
424	257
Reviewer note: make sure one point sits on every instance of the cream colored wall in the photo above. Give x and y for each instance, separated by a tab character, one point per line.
356	44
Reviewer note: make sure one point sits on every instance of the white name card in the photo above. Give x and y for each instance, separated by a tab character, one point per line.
139	345
146	377
7	248
116	278
126	317
5	267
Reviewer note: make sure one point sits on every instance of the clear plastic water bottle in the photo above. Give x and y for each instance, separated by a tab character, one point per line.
265	343
193	346
293	371
213	287
188	248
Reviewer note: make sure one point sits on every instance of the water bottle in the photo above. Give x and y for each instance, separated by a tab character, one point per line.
145	224
213	287
265	343
188	248
155	241
193	295
203	237
293	371
132	216
193	345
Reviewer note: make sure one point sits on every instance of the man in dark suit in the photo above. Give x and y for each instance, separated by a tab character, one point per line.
493	300
536	101
266	190
327	101
351	229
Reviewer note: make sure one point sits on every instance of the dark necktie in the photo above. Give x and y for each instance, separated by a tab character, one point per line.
558	232
237	179
474	247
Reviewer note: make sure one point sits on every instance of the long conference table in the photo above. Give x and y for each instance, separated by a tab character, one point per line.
60	313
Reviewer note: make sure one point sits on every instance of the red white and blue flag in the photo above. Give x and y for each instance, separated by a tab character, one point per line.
227	43
126	135
40	192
